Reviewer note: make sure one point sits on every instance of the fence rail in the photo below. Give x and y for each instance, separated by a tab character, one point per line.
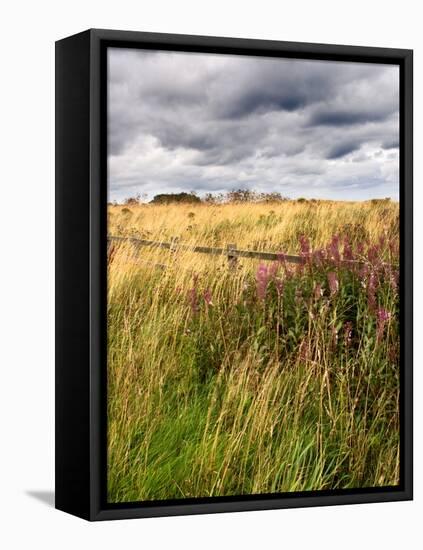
231	251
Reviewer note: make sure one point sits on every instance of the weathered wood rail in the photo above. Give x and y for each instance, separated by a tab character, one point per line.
231	251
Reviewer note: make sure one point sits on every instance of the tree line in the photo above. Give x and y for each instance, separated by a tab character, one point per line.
235	195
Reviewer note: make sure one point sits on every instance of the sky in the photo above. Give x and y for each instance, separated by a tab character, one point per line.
211	123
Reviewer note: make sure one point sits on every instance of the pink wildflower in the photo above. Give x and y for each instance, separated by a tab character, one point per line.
360	249
347	253
281	257
333	249
373	254
208	297
318	256
318	291
383	315
262	280
363	273
393	278
305	248
333	282
371	291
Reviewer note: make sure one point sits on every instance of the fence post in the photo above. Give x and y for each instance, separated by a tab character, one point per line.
232	258
174	244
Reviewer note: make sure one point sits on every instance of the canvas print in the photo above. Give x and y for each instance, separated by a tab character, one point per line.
253	275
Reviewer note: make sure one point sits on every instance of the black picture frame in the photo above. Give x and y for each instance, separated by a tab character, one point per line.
81	239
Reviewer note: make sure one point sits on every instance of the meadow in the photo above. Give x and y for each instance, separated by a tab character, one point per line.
234	378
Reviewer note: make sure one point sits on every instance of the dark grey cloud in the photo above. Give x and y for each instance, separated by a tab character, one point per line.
391	144
256	102
181	121
345	118
339	151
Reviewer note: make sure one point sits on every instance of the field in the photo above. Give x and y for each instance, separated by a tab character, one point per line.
231	378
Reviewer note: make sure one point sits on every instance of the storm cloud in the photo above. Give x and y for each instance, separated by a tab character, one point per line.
210	123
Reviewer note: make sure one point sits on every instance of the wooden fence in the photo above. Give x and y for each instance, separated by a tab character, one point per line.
231	251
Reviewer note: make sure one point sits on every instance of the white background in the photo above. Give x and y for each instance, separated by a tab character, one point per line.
28	32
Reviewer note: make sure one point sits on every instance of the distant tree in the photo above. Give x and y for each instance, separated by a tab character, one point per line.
241	195
274	196
249	195
133	200
167	198
209	198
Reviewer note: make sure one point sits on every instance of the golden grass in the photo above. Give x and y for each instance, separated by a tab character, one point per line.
270	226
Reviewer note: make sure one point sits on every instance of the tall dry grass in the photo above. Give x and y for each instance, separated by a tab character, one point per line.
259	378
